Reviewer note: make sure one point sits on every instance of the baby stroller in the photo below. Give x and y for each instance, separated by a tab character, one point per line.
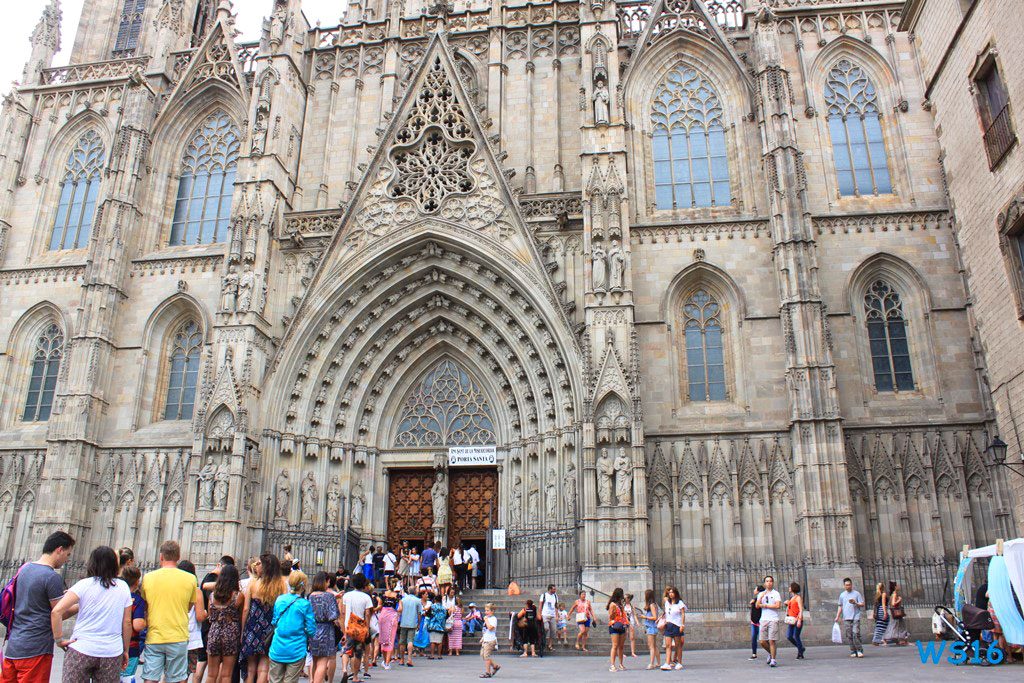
967	630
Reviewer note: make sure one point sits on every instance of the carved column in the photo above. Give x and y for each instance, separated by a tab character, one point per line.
825	525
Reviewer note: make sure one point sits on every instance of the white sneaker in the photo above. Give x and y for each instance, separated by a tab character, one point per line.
666	667
678	666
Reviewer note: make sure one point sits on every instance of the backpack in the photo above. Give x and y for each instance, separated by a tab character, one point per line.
7	597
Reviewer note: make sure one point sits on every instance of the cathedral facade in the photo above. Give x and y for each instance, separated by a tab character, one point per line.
677	276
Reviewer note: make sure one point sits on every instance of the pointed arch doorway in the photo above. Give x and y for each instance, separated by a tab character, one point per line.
444	407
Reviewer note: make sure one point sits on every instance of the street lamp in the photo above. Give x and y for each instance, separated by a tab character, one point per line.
997	449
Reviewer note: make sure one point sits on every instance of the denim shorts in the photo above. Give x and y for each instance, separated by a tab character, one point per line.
652	627
167	661
672	631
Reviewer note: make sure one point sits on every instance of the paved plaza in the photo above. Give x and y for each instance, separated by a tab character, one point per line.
830	663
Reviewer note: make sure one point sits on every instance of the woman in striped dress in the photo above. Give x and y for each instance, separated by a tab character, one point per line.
455	635
881	614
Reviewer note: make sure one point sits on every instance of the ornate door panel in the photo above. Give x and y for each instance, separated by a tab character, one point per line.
472	494
410	511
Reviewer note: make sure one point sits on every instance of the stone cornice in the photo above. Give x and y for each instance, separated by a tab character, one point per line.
693	232
882	222
25	276
182	264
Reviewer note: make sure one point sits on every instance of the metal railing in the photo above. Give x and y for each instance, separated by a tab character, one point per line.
999	136
540	555
923	583
725	587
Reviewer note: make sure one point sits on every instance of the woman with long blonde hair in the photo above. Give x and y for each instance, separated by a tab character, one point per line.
880	615
257	612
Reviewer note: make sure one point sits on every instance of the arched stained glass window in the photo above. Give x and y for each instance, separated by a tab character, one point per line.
887	334
855	125
691	167
79	189
45	367
705	355
183	371
203	207
129	28
446	408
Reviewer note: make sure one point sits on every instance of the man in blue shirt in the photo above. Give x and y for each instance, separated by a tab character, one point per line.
428	560
409	612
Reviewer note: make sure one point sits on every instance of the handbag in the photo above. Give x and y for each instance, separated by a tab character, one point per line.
898	612
269	638
581	617
422	638
790	620
356	629
661	623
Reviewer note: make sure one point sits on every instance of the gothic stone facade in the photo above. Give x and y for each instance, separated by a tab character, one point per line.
688	265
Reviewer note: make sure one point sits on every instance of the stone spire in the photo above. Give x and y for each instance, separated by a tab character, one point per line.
45	42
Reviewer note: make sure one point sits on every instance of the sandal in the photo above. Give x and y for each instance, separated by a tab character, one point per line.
496	670
486	675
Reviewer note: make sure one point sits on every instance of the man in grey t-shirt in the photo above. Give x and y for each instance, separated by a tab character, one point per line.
29	653
851	604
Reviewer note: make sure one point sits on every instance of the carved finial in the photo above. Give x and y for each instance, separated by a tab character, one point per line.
225	10
47	31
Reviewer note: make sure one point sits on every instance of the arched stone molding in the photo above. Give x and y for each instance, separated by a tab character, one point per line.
916	298
51	172
718	283
172	132
470	71
17	360
736	95
880	72
157	335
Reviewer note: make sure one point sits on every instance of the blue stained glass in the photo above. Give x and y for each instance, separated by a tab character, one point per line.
183	371
858	146
203	206
42	383
687	108
705	357
76	207
887	336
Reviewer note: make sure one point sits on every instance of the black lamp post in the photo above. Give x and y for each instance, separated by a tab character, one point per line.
997	449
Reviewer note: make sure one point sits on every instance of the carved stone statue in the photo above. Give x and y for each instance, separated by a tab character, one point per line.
533	498
623	478
439	496
229	292
570	488
246	285
221	483
600	270
308	498
616	267
282	494
601	101
358	503
515	503
206	476
605	476
551	494
334	501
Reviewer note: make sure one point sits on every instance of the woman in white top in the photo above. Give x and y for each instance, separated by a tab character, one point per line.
675	620
98	648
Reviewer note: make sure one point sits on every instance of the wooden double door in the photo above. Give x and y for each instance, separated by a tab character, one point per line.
472	504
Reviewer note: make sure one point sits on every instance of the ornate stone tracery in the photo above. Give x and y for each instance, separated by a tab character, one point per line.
446	408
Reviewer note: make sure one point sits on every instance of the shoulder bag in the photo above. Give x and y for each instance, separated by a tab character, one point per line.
269	638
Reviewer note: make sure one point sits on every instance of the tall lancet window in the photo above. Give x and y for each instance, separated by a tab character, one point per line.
887	334
855	125
446	408
705	354
49	350
79	189
129	28
691	166
183	374
203	207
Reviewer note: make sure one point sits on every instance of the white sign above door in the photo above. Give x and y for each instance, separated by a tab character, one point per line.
472	455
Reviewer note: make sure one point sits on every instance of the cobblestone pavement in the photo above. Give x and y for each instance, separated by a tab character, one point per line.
822	664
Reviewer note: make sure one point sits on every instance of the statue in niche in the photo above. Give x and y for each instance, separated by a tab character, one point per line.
334	501
515	503
358	504
229	292
439	496
616	267
551	494
601	101
308	498
533	498
570	488
206	476
246	286
282	494
623	478
600	269
605	477
221	483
